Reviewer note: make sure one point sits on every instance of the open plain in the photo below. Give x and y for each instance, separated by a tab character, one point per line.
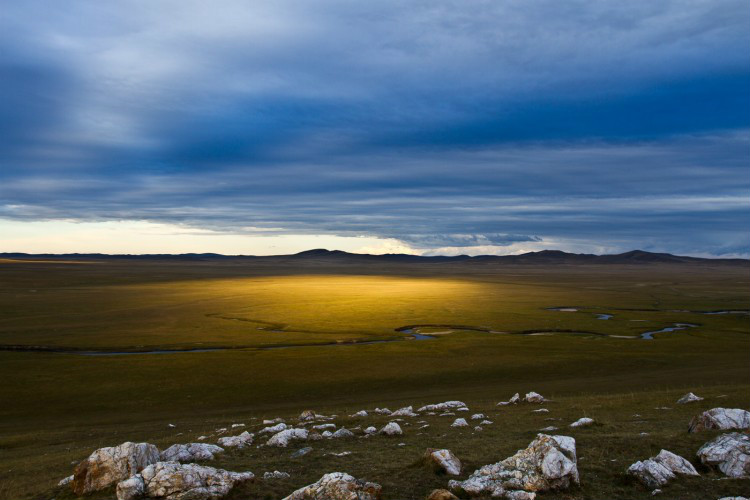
98	351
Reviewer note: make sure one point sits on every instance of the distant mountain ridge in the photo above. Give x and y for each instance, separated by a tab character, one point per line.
319	254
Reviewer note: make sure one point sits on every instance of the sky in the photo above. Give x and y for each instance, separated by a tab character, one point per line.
425	127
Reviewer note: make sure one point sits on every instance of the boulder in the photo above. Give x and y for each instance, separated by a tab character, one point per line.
722	419
108	466
175	481
274	428
688	398
548	463
283	438
407	411
190	452
534	397
443	461
243	440
583	422
343	433
659	470
275	475
729	452
391	429
441	495
460	422
448	405
337	486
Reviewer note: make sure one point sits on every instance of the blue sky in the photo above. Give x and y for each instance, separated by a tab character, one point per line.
425	127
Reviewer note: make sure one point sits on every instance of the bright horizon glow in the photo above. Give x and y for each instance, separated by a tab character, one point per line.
144	237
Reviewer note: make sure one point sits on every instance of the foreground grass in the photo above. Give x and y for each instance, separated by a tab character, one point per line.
58	407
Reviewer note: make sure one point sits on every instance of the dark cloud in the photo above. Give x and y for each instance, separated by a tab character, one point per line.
439	123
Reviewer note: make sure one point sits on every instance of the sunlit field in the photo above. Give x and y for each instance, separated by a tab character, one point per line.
80	372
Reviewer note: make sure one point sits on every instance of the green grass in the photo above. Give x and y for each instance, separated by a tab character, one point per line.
56	408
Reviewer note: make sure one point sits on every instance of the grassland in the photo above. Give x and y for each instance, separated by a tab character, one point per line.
57	407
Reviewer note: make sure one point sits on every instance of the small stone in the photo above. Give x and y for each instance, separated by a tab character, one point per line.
302	452
460	422
688	398
583	422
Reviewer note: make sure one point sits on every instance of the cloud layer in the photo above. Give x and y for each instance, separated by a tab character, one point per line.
438	124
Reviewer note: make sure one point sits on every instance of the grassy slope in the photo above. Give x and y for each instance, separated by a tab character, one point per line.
61	406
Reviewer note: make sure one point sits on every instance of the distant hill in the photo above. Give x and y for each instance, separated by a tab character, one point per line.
338	256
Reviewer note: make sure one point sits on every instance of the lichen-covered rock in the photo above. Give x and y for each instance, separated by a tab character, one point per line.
175	481
729	452
443	406
534	397
659	470
407	411
724	419
190	452
548	463
460	422
583	422
242	441
443	461
441	495
337	486
273	429
107	466
688	398
391	429
307	415
283	438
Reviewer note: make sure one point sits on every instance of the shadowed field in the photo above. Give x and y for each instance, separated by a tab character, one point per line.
59	406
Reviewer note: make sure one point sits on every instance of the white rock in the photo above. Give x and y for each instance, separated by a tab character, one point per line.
460	422
478	416
322	427
275	475
583	422
338	486
549	462
360	413
688	398
661	469
478	428
425	426
108	466
190	452
202	438
302	452
172	426
462	409
734	498
327	434
551	428
283	438
371	430
729	452
65	481
391	429
721	418
175	481
243	440
486	422
343	433
406	411
382	411
655	492
540	410
273	421
448	405
447	414
274	429
444	460
534	397
235	426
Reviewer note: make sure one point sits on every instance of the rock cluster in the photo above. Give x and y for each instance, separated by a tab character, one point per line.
724	419
548	463
659	470
283	438
175	481
243	440
337	486
448	405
